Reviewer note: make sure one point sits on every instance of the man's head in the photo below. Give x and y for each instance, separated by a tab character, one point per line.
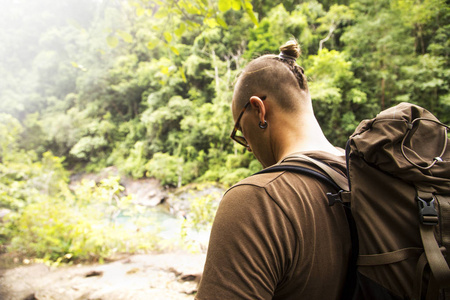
273	89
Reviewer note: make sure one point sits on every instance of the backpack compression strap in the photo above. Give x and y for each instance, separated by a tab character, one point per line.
440	269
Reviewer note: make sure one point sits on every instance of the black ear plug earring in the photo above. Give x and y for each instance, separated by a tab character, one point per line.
263	126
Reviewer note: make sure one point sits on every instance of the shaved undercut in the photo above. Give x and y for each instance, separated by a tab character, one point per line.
269	76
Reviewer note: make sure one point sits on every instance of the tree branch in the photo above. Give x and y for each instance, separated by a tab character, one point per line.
330	32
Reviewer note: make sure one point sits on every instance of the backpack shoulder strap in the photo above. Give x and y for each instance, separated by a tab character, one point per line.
339	182
337	177
296	164
300	170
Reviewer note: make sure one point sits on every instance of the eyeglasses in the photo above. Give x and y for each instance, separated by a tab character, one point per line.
239	138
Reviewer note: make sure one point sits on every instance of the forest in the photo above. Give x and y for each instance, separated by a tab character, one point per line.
146	86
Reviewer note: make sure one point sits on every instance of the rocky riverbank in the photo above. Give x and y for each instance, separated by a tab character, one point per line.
172	275
151	276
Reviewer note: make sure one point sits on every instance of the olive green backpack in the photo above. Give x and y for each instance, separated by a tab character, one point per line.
398	192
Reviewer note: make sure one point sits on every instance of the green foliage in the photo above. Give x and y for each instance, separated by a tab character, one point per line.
168	169
330	24
326	86
199	219
166	118
279	26
230	178
146	86
334	93
25	180
202	211
80	226
26	183
10	129
425	80
165	84
156	77
47	220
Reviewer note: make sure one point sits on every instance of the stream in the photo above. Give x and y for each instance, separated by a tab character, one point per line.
173	214
172	274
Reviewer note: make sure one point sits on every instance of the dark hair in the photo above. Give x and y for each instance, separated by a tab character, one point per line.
279	75
289	53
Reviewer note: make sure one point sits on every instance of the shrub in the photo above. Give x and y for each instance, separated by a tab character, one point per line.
83	226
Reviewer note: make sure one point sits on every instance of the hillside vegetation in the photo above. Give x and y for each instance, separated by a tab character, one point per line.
146	86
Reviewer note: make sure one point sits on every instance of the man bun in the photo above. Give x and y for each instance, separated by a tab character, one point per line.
289	53
291	49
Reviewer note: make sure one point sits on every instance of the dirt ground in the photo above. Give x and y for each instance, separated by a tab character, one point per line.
151	276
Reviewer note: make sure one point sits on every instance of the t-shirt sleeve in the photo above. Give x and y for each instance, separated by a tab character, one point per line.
250	246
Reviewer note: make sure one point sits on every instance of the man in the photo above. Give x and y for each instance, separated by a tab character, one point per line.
274	235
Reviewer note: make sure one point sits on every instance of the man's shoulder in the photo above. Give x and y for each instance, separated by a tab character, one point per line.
256	181
270	179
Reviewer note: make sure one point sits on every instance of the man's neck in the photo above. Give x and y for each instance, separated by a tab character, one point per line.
328	148
303	136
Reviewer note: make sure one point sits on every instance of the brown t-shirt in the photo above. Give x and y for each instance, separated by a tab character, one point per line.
275	237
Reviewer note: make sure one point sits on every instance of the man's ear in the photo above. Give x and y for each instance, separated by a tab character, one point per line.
258	104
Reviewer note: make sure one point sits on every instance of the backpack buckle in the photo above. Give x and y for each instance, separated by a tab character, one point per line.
333	198
427	212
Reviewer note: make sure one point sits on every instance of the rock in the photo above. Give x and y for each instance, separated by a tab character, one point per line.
75	179
158	276
133	271
146	192
30	297
93	273
20	283
191	277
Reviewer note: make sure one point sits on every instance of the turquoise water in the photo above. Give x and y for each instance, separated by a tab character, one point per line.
169	221
154	218
167	226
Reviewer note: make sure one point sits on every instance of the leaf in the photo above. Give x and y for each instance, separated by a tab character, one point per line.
161	14
445	99
183	75
224	5
174	50
251	14
211	23
357	96
140	11
192	24
236	4
112	41
127	38
152	43
75	65
165	70
180	30
221	22
168	36
193	10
